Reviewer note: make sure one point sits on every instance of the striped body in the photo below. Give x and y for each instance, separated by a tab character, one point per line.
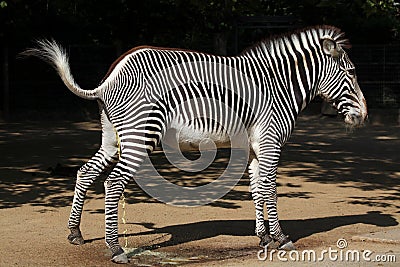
184	97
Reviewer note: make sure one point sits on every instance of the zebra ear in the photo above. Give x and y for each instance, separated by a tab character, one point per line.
330	47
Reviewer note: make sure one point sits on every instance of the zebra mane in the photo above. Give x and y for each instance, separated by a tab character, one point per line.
322	30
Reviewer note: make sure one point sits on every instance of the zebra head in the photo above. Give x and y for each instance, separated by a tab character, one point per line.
340	86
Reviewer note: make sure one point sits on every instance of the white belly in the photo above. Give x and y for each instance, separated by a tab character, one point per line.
188	138
184	137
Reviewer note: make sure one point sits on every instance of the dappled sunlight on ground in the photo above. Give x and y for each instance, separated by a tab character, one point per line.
321	150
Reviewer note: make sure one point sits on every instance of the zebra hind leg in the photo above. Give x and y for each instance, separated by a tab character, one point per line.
88	173
132	155
75	237
114	186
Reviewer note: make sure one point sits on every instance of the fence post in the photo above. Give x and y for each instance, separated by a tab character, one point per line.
6	84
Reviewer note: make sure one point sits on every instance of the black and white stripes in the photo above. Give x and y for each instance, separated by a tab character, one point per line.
149	91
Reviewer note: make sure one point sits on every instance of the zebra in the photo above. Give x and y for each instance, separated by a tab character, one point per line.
151	90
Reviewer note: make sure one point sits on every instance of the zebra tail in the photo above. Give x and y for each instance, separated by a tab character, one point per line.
54	54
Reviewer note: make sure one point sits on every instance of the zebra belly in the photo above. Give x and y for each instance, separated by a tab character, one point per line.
187	137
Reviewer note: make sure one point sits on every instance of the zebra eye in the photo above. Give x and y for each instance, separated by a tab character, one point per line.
351	72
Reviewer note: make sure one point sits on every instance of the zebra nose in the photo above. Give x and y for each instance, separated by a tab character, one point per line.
353	119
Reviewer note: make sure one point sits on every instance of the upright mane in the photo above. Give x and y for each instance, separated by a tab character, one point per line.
322	30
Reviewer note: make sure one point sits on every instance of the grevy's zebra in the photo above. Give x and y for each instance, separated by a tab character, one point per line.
147	91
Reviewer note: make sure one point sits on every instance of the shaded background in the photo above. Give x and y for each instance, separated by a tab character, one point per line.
95	33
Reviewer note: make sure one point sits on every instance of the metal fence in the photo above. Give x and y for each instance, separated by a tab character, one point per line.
378	72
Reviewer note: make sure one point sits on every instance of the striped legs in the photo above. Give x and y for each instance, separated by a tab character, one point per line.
254	173
135	146
88	173
263	189
114	187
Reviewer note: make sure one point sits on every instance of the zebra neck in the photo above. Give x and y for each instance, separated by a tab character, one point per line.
290	67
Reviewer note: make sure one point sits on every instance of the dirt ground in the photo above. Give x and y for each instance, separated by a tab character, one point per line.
333	183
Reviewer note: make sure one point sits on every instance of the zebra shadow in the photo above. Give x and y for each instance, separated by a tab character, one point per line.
298	229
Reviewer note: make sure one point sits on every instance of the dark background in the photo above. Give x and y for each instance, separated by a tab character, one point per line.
95	33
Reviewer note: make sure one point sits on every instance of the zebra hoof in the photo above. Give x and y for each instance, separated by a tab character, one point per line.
76	238
120	258
267	241
288	246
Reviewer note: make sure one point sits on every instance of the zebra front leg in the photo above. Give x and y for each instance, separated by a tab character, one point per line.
267	188
276	232
261	232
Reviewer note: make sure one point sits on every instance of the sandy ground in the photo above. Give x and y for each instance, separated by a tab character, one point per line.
333	184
